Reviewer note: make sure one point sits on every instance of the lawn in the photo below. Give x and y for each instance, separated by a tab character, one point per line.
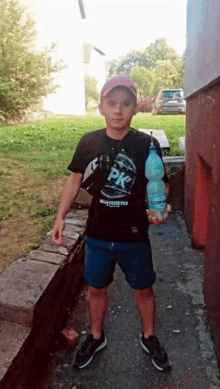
33	170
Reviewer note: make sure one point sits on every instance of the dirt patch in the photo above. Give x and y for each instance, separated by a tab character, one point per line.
20	232
15	241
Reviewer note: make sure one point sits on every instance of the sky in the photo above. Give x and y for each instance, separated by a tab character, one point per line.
119	26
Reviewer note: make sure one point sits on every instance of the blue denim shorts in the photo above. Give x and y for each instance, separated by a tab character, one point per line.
134	259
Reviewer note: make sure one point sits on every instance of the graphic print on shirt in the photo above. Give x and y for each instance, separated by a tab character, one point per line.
90	168
120	181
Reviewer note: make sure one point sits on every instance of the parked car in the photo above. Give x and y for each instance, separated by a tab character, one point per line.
170	101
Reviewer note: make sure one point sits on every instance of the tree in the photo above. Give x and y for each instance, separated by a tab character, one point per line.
131	60
25	74
159	50
144	81
112	67
169	74
91	91
158	66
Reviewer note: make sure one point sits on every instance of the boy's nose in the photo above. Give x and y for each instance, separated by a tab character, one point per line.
118	108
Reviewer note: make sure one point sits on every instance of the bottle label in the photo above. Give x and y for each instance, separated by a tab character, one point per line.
157	203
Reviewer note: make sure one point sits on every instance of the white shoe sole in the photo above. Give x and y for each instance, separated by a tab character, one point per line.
166	367
145	348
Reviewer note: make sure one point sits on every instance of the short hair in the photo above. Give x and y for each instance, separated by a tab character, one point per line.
124	88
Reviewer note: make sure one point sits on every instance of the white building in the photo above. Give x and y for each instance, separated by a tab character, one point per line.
95	65
62	22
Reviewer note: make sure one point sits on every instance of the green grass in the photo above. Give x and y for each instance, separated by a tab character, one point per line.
41	151
56	137
173	125
91	111
33	169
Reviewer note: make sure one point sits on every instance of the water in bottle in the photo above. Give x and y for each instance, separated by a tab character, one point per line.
156	189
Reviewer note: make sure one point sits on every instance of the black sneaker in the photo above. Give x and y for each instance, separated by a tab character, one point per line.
87	350
157	354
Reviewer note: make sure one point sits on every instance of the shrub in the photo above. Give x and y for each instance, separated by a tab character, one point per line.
145	105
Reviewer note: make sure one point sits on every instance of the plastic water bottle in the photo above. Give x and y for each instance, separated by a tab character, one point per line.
156	189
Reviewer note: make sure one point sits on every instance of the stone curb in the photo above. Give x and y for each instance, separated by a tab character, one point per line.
35	294
173	164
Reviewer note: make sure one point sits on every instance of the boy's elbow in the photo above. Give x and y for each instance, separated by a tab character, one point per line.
75	180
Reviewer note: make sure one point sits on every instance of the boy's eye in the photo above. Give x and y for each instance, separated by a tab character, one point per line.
126	103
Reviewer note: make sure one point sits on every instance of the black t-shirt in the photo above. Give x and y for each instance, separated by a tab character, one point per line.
117	214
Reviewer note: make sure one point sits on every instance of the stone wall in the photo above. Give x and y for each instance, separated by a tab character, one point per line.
175	169
35	294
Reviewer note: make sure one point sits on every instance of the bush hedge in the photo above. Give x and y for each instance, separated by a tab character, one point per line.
145	105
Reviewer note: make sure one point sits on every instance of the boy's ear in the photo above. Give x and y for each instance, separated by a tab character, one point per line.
100	109
136	109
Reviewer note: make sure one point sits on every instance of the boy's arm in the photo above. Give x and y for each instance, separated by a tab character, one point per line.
167	191
70	192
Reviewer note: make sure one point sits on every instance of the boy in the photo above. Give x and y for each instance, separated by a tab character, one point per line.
117	226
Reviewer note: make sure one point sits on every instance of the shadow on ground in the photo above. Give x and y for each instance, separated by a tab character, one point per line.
182	327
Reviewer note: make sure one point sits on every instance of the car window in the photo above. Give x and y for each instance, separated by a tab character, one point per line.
173	94
178	94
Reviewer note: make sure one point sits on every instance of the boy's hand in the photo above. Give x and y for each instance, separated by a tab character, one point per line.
57	232
155	221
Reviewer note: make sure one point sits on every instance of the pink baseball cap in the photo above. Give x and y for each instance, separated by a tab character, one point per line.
118	81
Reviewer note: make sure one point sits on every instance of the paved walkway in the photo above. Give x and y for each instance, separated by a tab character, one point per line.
181	327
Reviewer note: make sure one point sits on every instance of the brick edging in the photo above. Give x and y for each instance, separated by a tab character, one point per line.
35	294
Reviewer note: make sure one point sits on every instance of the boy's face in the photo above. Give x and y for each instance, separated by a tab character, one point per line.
118	107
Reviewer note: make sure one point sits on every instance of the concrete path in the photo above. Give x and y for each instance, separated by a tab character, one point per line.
182	327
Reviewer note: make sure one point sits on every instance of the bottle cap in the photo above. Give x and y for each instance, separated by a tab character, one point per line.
151	141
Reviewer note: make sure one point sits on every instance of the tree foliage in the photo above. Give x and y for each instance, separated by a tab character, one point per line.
157	66
25	74
169	74
131	60
112	67
158	51
91	91
143	79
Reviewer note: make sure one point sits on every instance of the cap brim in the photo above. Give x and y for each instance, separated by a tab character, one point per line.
115	86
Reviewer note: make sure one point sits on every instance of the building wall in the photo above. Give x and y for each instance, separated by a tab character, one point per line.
95	65
202	193
97	68
61	22
202	167
203	48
